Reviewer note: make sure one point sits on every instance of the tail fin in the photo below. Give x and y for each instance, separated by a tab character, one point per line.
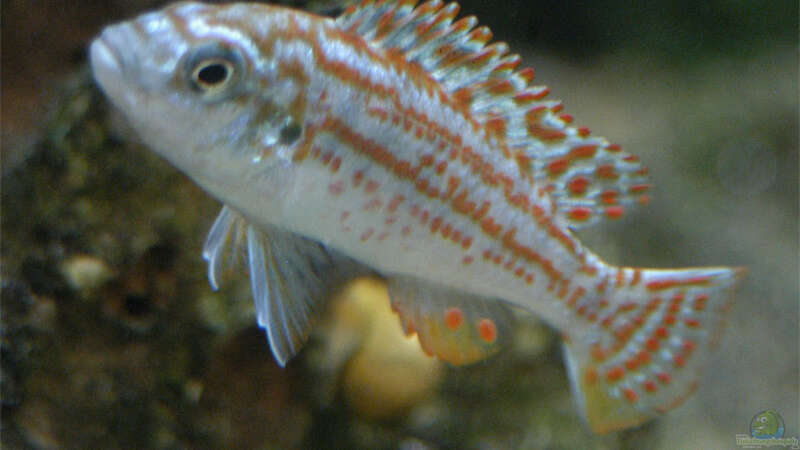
642	354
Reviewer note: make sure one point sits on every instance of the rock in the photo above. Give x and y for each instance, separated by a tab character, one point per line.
85	272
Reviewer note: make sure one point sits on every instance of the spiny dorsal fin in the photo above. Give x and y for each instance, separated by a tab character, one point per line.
456	327
587	177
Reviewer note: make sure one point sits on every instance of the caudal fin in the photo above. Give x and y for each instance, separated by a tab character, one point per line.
652	333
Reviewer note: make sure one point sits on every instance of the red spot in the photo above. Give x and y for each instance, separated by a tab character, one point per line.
689	346
326	158
367	234
527	74
441	167
649	386
467	242
637	277
652	344
662	333
373	203
615	374
644	199
591	376
615	212
426	160
631	395
643	357
358	177
609	197
632	364
679	361
435	224
447	229
598	352
606	171
664	377
627	306
692	322
624	332
395	202
544	133
383	236
529	278
557	166
496	125
467	260
336	188
584	132
406	230
425	216
578	185
566	118
700	302
371	186
491	228
580	213
669	320
487	330
639	188
583	151
336	163
453	318
541	94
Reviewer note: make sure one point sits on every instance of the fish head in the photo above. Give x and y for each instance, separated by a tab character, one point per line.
191	81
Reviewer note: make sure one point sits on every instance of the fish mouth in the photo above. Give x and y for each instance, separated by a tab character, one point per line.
107	61
104	59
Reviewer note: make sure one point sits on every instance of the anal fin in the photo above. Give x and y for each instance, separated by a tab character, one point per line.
291	276
458	328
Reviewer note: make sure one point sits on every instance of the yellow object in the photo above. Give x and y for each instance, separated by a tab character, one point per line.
389	373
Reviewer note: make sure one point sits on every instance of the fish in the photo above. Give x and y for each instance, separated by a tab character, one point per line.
397	139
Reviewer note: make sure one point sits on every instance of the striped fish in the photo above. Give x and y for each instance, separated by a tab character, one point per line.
398	139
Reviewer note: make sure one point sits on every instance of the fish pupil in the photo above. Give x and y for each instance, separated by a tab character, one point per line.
212	74
290	132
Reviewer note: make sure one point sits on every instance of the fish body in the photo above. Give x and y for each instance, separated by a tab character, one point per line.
398	139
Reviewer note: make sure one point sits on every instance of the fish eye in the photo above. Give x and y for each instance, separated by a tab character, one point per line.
213	69
212	74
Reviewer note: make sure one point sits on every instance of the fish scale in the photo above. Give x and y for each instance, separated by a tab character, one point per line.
398	140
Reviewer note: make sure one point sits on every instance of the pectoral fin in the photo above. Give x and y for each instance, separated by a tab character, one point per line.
456	327
291	276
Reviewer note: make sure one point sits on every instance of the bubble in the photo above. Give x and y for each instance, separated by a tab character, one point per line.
747	168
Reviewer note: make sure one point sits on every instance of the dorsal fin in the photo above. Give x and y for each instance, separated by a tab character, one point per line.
587	177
